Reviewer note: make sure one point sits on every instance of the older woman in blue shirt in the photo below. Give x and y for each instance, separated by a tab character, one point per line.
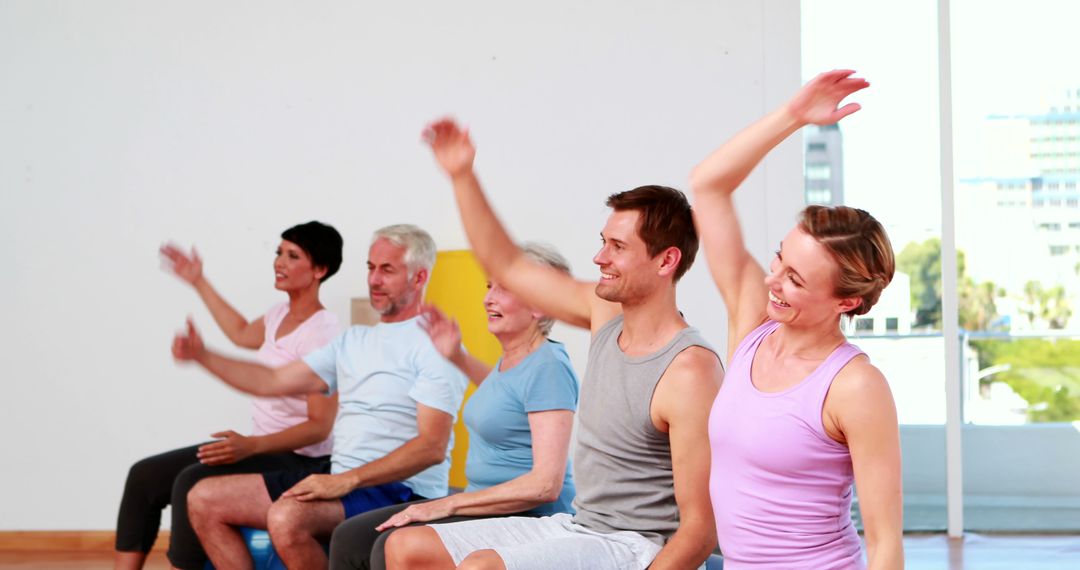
519	422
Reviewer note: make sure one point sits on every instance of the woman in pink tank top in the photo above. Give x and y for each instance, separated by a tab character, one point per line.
802	414
288	433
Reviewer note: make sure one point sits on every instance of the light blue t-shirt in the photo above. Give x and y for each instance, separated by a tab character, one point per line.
381	373
497	417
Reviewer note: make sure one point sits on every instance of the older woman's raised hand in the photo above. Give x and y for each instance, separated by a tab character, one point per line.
818	101
444	331
188	267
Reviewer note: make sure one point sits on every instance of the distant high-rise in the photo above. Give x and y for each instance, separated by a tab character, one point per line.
1055	138
824	166
1022	223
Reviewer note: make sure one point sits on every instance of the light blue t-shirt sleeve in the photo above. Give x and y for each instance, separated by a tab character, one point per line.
439	384
550	385
323	361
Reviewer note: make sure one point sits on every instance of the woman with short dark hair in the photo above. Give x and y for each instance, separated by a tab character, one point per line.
288	432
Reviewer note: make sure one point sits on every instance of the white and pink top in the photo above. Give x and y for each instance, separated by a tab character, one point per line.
276	413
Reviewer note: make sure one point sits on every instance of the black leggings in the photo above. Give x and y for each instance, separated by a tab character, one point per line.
356	545
166	479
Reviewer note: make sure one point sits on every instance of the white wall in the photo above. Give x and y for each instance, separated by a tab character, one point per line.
123	124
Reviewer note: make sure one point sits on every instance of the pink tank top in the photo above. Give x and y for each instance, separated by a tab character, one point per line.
781	487
275	413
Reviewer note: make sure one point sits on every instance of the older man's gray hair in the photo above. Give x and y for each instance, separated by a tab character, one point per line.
419	247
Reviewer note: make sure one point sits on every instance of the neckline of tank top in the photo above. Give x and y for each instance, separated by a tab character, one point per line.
687	330
803	381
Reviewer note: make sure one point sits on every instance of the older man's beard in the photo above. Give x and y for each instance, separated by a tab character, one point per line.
394	305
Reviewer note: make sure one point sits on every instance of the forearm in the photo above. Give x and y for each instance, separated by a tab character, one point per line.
494	248
516	495
689	547
411	458
885	554
249	377
292	438
231	322
470	366
730	164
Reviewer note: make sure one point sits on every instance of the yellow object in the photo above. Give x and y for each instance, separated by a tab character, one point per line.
457	287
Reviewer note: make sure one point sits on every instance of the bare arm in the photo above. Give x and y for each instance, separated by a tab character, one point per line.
446	337
546	288
682	402
426	449
233	447
188	267
542	484
253	378
860	405
737	275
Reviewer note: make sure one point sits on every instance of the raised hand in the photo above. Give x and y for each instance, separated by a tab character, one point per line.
451	146
816	103
316	487
232	447
188	267
188	345
420	512
444	331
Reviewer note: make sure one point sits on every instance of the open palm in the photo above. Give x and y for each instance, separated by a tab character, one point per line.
451	145
187	267
444	331
818	101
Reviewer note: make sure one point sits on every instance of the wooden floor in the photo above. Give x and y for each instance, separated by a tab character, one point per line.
923	552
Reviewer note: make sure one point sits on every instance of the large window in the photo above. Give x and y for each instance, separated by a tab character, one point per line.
1015	116
886	161
1016	160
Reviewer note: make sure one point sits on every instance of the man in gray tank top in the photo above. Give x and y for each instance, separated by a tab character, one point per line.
641	464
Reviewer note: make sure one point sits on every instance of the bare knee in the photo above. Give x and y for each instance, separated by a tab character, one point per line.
285	521
204	502
482	560
416	547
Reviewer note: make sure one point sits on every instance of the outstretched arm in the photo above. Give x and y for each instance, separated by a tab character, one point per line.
737	275
295	377
546	288
188	268
683	400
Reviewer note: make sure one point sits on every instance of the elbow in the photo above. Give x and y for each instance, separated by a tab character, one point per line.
547	490
323	429
697	179
434	453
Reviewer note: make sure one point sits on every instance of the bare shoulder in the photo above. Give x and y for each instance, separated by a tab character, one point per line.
687	388
859	379
696	364
860	392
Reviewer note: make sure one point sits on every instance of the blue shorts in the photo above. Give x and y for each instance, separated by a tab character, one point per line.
366	499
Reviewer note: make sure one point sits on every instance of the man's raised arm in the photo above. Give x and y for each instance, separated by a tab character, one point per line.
548	289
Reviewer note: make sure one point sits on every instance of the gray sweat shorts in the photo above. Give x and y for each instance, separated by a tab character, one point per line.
528	543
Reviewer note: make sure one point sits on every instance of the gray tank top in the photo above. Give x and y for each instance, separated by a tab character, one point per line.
622	463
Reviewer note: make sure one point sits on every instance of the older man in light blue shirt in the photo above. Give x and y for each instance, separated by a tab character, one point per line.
398	401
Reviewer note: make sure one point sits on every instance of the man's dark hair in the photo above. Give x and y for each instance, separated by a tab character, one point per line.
666	221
